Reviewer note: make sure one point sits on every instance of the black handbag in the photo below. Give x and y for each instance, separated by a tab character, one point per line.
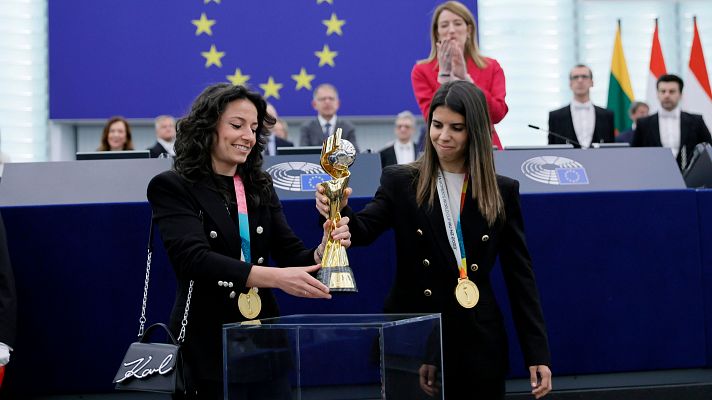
155	367
152	367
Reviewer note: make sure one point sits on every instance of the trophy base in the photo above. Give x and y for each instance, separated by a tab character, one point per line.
338	279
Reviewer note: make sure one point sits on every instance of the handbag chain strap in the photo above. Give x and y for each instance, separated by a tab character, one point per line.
142	319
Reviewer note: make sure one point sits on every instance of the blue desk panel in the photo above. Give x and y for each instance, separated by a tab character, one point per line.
704	204
620	275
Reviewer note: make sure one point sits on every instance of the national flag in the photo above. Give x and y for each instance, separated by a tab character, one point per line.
620	91
697	96
657	69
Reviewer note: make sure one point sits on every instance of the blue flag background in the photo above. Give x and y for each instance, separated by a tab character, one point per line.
140	59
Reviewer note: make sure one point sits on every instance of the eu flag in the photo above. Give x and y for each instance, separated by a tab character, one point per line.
309	181
144	58
572	176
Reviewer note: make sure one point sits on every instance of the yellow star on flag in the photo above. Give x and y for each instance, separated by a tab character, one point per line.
238	79
271	88
321	1
213	57
208	1
326	56
303	79
203	25
333	25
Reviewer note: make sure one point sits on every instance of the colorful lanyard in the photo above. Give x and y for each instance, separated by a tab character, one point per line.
242	220
454	230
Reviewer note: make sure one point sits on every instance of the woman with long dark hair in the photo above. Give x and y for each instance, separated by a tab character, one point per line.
452	217
221	220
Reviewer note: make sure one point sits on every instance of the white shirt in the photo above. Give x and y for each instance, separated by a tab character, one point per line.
454	192
669	122
584	118
405	152
168	146
271	148
332	123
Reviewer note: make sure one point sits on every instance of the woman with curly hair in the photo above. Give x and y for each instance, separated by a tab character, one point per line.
220	220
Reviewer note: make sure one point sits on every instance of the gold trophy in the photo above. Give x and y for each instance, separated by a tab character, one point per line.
336	156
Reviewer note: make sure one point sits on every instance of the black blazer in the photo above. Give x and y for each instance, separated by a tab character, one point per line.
156	150
313	135
561	122
282	142
474	340
8	295
203	244
692	131
278	142
388	155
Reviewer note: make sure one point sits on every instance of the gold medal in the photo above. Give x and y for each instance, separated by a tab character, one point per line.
466	293
249	304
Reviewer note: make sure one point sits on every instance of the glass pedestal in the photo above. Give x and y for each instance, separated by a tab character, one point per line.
372	356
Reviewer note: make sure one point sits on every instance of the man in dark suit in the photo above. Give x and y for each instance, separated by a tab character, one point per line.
637	111
8	302
403	150
670	127
581	122
165	137
326	103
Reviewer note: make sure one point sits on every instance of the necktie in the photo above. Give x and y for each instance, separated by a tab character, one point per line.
577	107
327	127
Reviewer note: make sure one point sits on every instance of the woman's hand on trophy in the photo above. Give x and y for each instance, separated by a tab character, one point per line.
322	202
298	281
340	232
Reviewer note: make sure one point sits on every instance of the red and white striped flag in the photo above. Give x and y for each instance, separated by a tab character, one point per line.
697	96
657	68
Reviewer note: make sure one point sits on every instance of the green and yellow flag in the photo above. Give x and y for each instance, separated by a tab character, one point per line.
620	92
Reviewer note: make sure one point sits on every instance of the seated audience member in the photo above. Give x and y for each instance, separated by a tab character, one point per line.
281	129
671	127
403	150
165	136
581	122
273	140
116	135
637	110
326	103
8	303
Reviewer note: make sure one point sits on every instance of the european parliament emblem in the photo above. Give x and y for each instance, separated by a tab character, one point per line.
555	170
572	176
297	176
309	181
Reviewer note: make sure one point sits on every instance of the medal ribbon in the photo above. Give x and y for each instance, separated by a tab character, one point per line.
454	231
242	219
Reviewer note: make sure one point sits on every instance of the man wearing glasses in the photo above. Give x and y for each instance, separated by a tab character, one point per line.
581	122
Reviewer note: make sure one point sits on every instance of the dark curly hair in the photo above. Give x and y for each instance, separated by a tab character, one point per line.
197	131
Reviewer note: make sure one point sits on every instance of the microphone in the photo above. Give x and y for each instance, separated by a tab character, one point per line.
562	137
